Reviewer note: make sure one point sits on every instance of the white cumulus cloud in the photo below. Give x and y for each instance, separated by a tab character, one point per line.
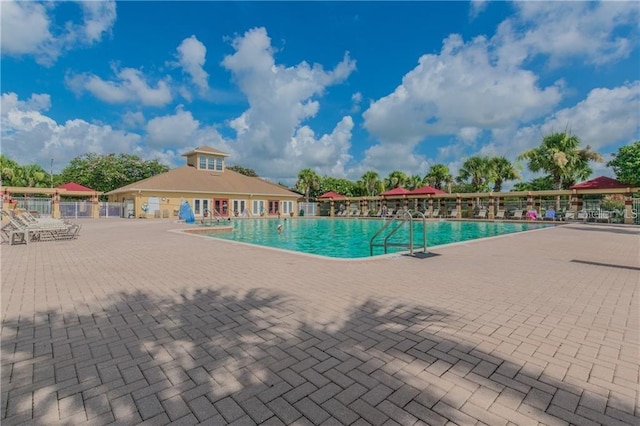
477	7
29	28
457	92
605	117
281	98
130	86
172	130
566	30
29	136
191	57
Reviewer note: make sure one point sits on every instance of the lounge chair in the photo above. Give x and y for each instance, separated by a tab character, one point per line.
41	231
13	232
364	213
482	214
453	214
517	215
500	214
435	213
570	215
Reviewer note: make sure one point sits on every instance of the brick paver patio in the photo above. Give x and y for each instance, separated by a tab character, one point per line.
132	323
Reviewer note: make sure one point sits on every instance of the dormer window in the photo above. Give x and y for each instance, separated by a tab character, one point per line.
207	162
206	158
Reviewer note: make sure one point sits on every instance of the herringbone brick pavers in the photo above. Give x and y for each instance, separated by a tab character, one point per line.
132	323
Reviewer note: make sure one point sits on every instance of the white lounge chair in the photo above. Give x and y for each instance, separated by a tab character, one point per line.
482	214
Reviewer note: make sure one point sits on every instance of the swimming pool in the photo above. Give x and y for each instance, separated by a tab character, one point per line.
347	239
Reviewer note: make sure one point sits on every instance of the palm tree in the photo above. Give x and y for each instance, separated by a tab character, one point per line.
560	156
414	182
438	176
395	179
478	169
308	180
370	183
31	175
503	171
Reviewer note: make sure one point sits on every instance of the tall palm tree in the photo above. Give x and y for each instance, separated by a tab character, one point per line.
395	179
503	171
308	180
438	176
370	183
560	156
478	170
414	182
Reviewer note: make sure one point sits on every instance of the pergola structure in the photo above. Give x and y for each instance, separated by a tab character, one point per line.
331	197
428	200
69	189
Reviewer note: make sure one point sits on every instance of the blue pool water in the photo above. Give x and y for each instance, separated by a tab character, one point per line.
350	238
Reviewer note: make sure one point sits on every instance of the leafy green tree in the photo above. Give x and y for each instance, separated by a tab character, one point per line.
8	170
243	170
415	182
462	188
395	179
438	176
339	185
503	170
370	184
308	181
626	164
478	171
560	156
544	183
106	172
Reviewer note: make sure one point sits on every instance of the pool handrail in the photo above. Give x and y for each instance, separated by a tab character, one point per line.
405	216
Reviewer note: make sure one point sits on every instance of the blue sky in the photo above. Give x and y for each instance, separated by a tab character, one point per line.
341	87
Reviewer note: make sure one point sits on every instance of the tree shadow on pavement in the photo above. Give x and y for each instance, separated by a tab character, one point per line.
220	357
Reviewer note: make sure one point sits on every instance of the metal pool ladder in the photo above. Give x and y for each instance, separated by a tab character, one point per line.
401	218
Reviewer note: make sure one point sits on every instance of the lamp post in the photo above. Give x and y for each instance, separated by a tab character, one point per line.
51	173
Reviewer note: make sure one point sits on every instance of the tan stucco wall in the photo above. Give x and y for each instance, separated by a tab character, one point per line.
169	202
